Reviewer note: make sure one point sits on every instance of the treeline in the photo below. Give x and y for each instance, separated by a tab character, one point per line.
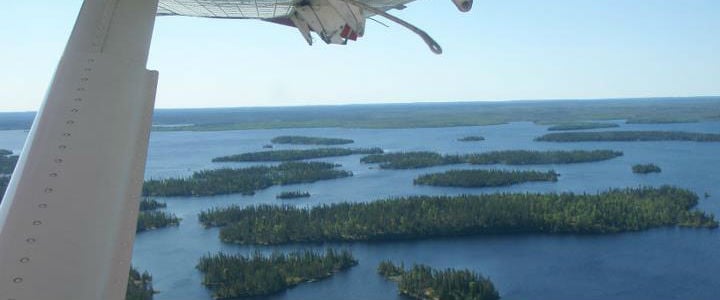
7	161
288	155
139	286
581	126
646	168
419	217
471	138
151	204
234	276
292	195
423	282
483	178
423	159
665	120
629	136
245	180
150	220
309	140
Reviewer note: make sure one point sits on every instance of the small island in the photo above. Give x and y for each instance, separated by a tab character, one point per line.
151	220
471	138
424	159
629	136
293	195
289	155
581	126
422	217
139	286
425	283
646	169
151	204
245	181
309	140
483	178
235	276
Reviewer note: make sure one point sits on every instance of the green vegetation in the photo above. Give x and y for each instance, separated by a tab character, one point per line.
471	138
425	283
483	178
293	195
236	276
151	204
4	180
581	126
7	161
629	136
646	168
434	114
660	120
288	155
139	286
423	159
309	140
245	181
419	217
151	220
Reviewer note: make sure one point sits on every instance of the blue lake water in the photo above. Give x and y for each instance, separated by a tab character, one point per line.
666	263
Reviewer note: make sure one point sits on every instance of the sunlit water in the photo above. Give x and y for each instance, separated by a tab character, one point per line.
666	263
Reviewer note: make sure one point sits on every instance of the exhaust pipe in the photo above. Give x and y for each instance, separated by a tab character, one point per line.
463	5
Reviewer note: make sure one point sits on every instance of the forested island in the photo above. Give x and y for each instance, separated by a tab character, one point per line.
309	140
646	168
419	217
245	180
289	155
423	159
236	276
581	126
629	136
150	204
471	138
150	220
425	283
7	161
293	195
484	178
139	286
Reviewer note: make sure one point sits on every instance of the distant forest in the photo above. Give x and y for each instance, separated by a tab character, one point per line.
295	154
484	178
422	114
309	140
581	126
420	217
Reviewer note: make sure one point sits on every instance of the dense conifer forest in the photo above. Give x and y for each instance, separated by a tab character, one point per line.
423	159
425	283
581	126
139	286
7	161
245	180
150	220
629	136
288	155
646	168
419	217
292	195
236	276
151	204
471	138
483	178
309	140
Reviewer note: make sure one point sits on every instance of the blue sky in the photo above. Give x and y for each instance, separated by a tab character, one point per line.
502	50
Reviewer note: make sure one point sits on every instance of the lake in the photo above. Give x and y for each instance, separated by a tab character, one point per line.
666	263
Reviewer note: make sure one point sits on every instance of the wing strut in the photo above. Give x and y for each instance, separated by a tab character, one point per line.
67	222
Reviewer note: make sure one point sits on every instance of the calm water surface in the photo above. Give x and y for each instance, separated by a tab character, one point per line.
665	263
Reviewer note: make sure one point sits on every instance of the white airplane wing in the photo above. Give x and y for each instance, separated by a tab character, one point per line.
68	218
